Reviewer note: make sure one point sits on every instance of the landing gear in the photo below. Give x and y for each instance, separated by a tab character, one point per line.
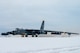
22	35
32	35
36	35
26	35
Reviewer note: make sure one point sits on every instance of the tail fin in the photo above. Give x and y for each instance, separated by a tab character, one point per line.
42	27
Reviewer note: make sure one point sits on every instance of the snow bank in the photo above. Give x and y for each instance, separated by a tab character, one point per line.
39	44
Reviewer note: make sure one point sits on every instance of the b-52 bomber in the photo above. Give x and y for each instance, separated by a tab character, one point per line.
35	32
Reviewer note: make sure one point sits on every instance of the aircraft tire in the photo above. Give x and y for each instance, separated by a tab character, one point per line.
36	35
32	35
26	35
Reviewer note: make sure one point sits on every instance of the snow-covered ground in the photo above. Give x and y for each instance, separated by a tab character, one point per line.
40	44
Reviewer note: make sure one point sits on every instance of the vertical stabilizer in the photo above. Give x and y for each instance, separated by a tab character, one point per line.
42	27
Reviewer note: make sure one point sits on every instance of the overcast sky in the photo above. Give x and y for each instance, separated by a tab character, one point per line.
59	15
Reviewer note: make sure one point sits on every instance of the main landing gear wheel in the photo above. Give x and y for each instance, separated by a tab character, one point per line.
26	35
36	35
32	35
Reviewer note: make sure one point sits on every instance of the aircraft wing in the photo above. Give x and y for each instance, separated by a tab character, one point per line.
60	32
52	32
